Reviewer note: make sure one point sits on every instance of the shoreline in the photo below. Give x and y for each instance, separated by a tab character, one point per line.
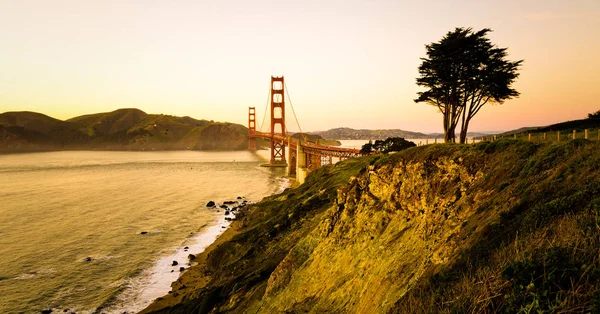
227	233
156	281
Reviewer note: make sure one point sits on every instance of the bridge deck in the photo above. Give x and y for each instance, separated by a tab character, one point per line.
310	148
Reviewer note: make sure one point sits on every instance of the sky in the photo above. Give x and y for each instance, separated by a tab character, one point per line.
346	63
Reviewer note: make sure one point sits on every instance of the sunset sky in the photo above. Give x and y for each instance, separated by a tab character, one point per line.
346	63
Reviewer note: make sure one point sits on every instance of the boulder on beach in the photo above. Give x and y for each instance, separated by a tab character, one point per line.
239	197
229	202
181	268
144	232
174	263
224	206
210	204
88	259
226	212
191	257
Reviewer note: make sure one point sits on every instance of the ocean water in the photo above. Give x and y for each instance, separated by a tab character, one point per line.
71	222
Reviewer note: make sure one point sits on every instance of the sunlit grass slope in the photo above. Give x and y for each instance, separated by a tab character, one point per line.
503	226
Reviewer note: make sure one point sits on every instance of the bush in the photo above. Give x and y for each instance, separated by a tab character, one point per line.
595	115
391	144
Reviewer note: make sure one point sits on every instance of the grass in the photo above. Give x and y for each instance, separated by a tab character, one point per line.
506	226
541	256
269	230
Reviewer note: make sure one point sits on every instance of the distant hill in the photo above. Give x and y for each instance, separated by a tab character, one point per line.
314	138
365	134
123	129
567	127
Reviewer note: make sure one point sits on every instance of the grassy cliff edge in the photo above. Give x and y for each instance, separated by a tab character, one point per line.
503	226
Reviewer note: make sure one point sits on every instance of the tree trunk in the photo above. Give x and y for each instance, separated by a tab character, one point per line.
449	134
463	131
463	135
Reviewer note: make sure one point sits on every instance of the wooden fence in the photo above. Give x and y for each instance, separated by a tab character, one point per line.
553	136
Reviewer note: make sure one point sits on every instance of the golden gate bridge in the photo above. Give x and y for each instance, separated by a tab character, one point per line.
302	155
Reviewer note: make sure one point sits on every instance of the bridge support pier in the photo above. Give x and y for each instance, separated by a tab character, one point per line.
301	169
292	157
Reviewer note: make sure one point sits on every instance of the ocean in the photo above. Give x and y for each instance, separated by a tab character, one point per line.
86	231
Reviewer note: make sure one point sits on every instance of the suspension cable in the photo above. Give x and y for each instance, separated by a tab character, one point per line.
294	112
266	107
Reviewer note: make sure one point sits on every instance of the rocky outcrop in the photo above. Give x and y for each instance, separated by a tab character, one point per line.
430	229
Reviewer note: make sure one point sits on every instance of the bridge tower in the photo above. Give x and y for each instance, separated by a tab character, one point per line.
277	120
251	128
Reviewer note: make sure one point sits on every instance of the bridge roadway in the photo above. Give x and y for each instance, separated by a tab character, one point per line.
304	156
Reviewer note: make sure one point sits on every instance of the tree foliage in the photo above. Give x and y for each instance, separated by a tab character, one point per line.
463	72
391	144
595	115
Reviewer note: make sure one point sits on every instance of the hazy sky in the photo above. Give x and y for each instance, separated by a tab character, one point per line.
346	63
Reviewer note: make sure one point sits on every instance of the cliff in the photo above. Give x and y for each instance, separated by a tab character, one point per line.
505	226
123	129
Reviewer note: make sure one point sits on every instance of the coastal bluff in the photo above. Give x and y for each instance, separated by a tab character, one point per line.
123	129
491	227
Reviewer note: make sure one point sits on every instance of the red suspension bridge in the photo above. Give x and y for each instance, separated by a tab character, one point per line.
302	155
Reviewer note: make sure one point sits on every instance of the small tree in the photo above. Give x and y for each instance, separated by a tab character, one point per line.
463	72
367	148
595	115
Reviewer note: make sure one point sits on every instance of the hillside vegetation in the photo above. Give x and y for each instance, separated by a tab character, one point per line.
566	129
507	226
123	129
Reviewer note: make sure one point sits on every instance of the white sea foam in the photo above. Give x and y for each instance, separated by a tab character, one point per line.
156	282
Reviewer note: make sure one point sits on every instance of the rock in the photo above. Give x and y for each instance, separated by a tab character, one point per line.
174	263
210	204
228	218
226	213
229	202
239	197
144	232
186	248
181	268
46	311
192	257
88	259
223	227
224	206
172	270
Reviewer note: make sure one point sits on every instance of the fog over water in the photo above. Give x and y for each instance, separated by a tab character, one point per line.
70	222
